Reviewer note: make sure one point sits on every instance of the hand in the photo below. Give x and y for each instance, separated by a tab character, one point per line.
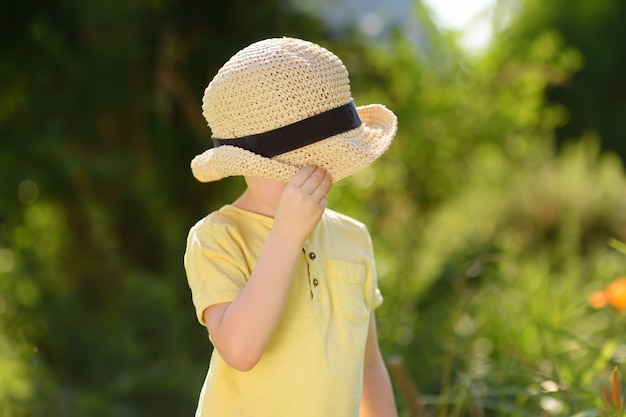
302	203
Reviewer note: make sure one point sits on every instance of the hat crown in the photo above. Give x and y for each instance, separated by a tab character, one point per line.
274	83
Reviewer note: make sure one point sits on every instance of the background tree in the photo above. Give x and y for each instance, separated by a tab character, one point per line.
100	116
595	95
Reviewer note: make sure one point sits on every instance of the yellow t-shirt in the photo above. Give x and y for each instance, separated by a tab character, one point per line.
313	365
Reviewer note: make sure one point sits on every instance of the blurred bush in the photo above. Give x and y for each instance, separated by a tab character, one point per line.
99	118
489	241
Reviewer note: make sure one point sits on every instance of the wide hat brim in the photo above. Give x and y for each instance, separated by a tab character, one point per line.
341	155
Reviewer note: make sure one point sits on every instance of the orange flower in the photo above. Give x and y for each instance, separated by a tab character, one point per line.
598	299
614	294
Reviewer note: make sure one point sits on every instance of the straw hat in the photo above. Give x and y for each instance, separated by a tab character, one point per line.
281	104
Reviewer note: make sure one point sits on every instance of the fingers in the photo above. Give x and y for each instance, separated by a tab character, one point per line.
302	175
320	193
312	181
303	201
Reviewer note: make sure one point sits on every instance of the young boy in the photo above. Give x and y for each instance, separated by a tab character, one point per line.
286	287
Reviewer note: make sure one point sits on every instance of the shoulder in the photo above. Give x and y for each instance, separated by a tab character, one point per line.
213	226
344	222
340	218
213	221
346	237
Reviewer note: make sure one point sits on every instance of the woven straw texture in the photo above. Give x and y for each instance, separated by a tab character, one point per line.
277	82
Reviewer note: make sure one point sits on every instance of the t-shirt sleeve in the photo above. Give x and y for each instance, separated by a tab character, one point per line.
377	299
374	297
215	268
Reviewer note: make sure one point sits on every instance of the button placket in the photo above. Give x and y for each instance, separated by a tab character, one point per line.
312	266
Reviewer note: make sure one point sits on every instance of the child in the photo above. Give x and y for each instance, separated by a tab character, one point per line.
286	287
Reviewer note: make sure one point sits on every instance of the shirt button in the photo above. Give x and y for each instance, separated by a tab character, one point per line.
312	255
315	282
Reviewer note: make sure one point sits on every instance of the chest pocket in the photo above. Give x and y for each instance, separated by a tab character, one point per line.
346	282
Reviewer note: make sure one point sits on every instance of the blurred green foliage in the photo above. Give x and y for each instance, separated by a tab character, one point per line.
488	240
100	110
595	96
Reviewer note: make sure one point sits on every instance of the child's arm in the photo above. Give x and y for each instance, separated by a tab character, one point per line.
240	330
377	398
